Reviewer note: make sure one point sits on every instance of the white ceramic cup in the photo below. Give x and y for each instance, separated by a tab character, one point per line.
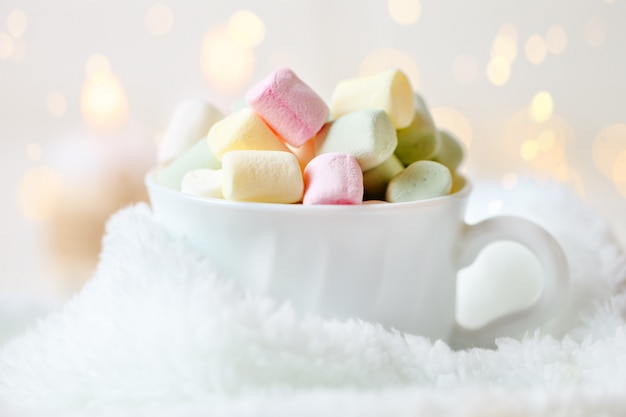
395	264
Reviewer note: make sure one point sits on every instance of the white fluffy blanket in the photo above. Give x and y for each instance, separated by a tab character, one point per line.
157	331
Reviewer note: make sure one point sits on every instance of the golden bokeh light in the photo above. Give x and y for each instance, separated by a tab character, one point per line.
535	49
454	121
565	174
619	168
556	40
607	146
404	12
40	193
529	150
510	31
542	147
103	101
226	64
509	180
619	173
499	70
97	63
465	69
595	32
34	152
545	151
246	28
548	158
56	103
159	20
390	58
504	46
17	23
546	140
541	107
6	46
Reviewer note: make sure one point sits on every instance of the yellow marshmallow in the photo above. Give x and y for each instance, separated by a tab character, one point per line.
240	131
262	176
390	91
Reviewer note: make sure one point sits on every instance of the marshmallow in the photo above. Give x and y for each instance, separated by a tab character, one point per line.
240	131
262	176
333	178
203	183
390	91
191	121
368	135
450	152
197	157
419	140
289	106
376	179
419	181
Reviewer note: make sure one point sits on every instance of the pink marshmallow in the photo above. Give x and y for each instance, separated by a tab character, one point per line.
333	178
289	106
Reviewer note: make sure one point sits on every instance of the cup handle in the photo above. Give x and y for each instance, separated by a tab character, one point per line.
474	238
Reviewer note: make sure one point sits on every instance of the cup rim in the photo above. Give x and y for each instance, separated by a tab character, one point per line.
152	184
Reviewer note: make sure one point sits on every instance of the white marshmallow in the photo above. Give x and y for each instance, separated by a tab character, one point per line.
191	121
203	183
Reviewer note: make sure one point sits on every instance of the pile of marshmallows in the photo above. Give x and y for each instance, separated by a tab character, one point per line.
281	147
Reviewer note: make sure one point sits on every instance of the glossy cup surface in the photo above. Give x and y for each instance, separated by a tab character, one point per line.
388	263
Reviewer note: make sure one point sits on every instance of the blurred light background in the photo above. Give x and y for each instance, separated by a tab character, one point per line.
86	87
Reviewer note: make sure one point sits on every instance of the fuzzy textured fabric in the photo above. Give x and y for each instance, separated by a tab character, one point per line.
158	332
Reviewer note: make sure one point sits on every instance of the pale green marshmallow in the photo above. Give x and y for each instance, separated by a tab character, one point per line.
420	181
376	179
420	140
450	152
197	157
367	135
